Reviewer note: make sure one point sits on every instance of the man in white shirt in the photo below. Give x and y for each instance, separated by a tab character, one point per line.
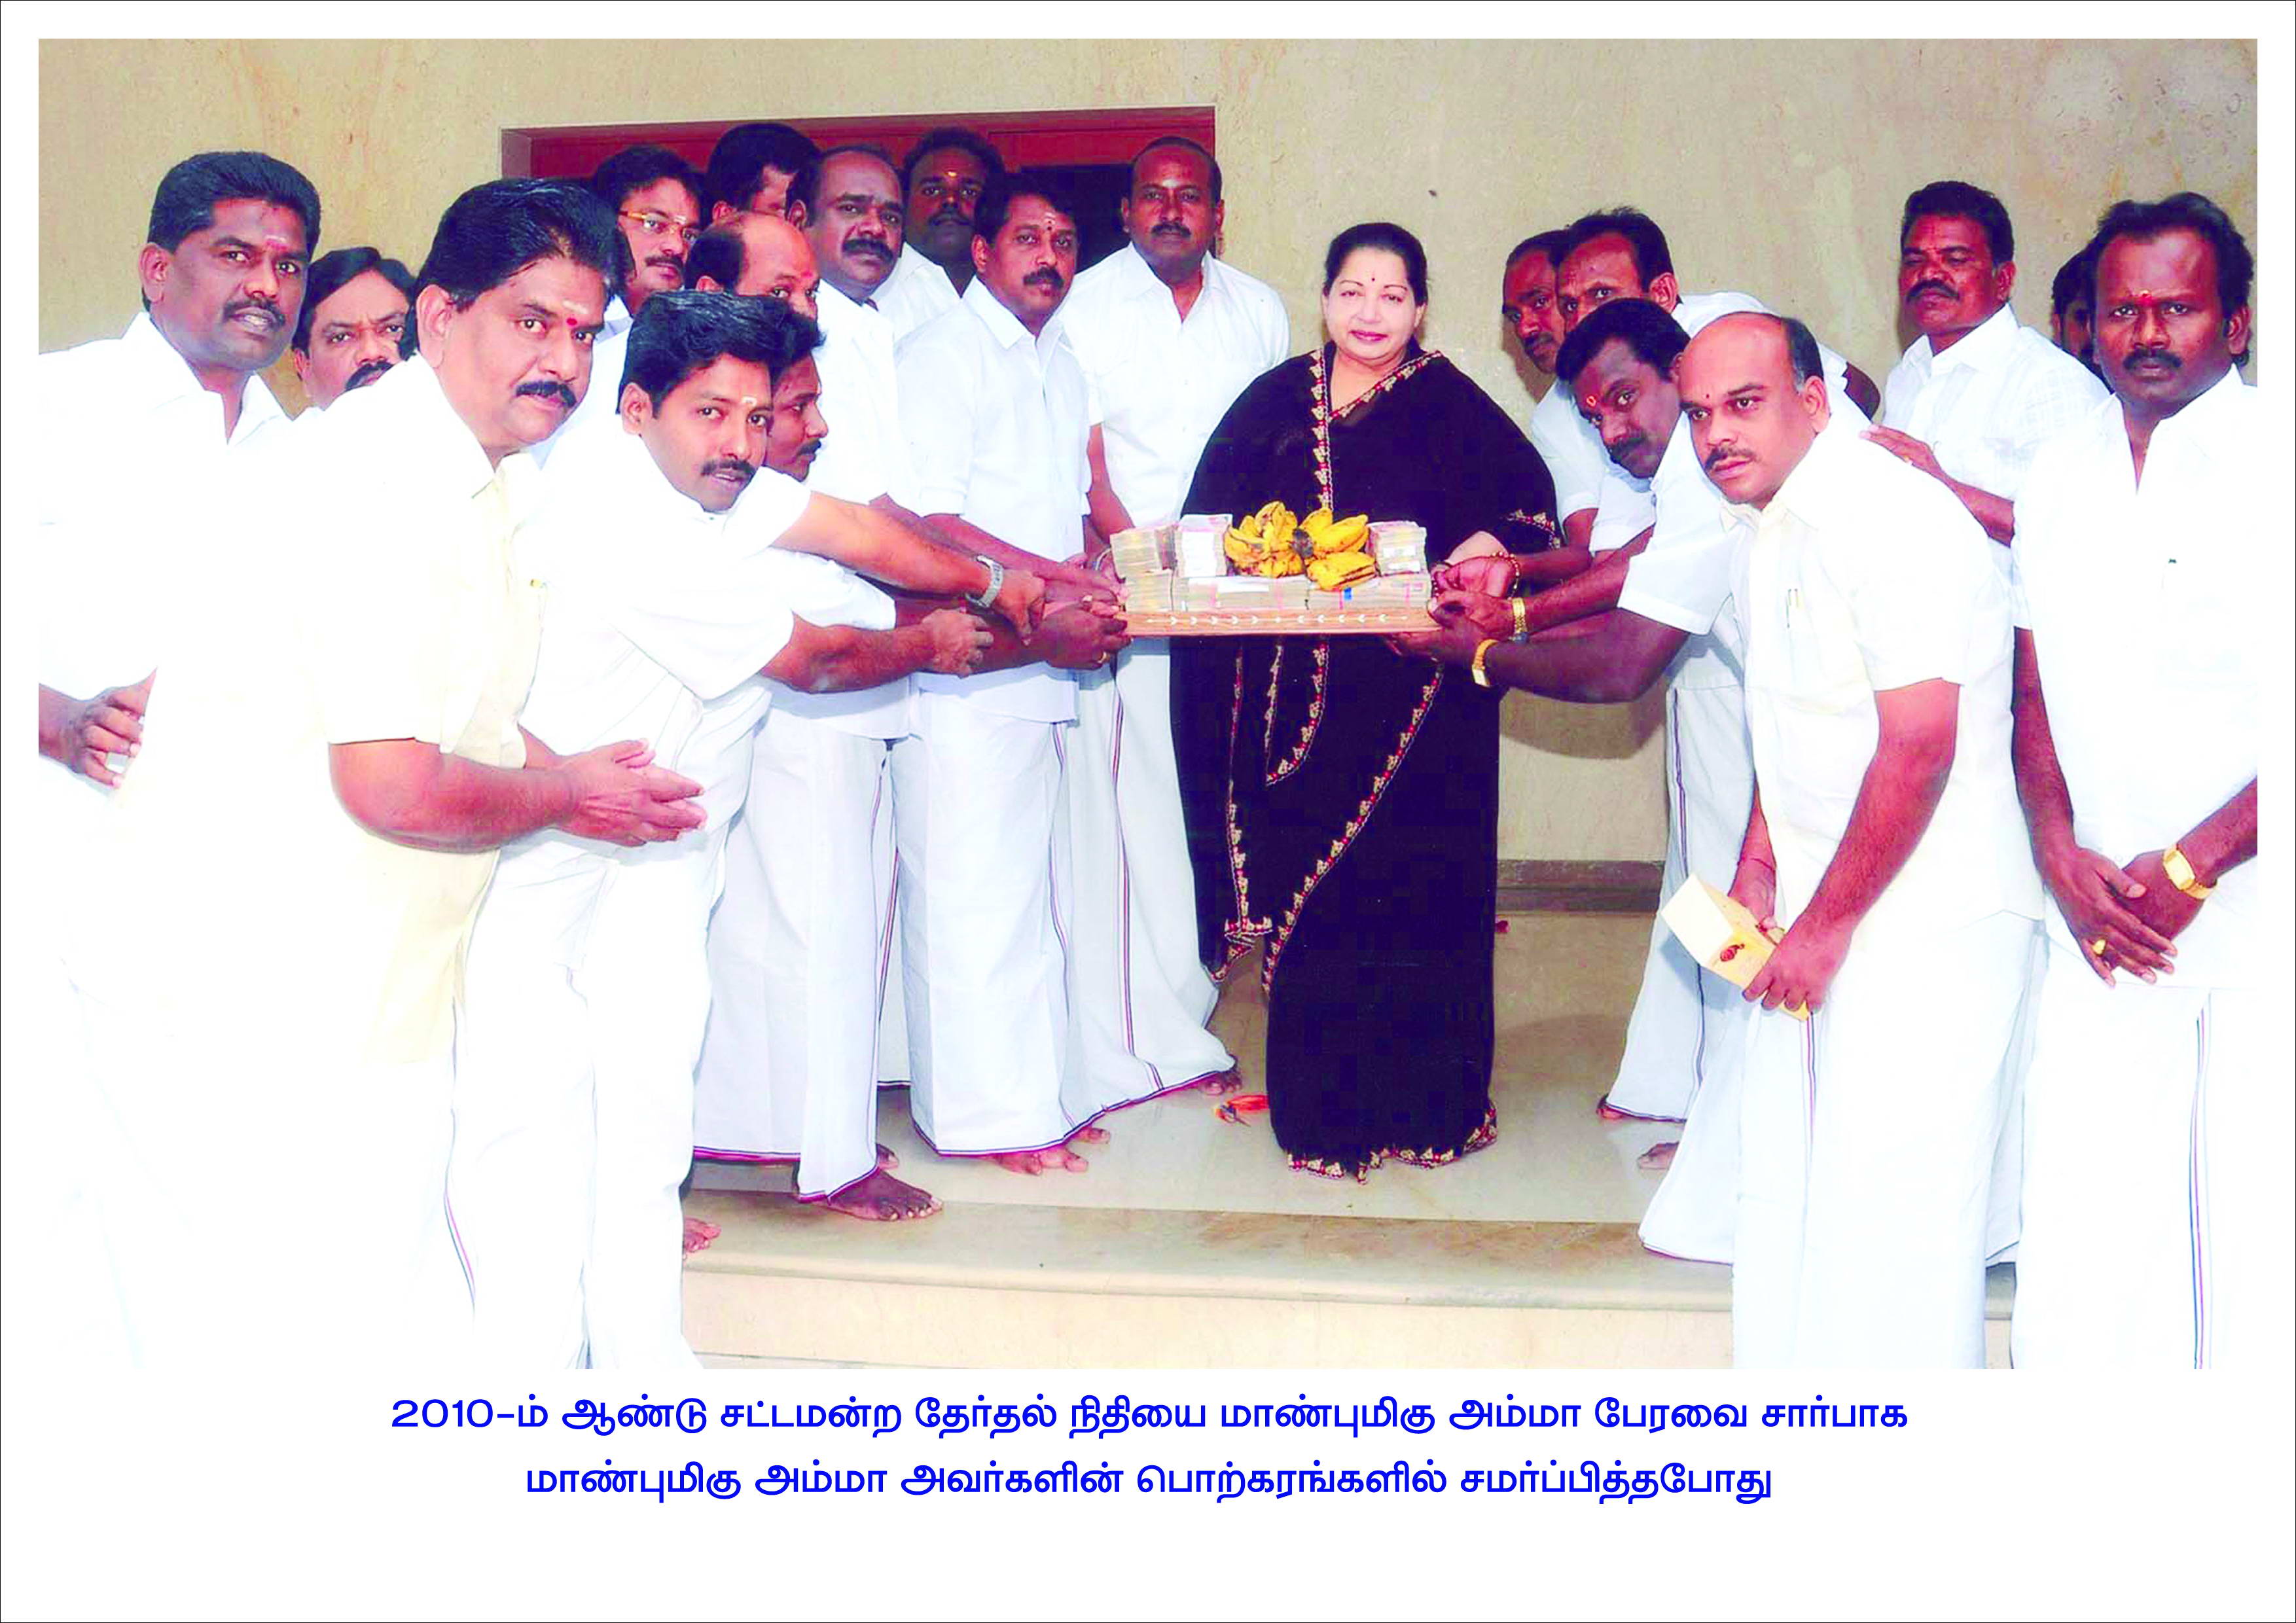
1167	335
1976	395
673	549
356	307
2151	1099
994	407
656	197
1885	837
181	393
265	983
2072	323
941	181
755	168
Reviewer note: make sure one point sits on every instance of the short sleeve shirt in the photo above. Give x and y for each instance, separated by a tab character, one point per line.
1990	402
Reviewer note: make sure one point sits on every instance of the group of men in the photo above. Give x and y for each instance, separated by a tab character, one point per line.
1962	705
722	705
719	709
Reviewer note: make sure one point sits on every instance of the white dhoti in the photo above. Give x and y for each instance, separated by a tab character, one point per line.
984	962
2137	1099
1685	1041
1866	1155
797	959
268	1202
1138	994
586	989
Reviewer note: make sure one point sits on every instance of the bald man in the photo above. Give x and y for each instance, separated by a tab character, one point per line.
1886	837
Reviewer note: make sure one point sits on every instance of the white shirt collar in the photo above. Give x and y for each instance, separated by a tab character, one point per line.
617	318
1004	326
1140	280
1801	487
1983	345
172	375
2198	418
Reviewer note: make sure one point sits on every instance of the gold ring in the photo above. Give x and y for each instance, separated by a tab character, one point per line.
2097	947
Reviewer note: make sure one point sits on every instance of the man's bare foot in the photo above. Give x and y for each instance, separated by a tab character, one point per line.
1089	1135
883	1198
886	1159
1603	1109
1226	1082
699	1234
1060	1158
1658	1158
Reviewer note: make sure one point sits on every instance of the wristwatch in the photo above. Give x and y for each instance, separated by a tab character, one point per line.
2178	867
985	598
1475	669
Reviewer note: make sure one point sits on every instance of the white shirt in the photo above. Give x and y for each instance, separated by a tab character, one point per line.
864	457
1862	575
915	293
1989	402
659	615
234	883
1157	385
124	439
997	426
2146	620
604	398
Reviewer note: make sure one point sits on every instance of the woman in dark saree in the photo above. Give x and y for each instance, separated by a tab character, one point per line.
1343	798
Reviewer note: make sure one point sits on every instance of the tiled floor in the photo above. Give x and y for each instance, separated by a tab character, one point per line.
1566	982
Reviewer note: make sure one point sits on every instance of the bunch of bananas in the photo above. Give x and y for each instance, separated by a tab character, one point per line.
1330	551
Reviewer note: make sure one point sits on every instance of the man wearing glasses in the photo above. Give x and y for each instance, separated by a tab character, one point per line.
656	197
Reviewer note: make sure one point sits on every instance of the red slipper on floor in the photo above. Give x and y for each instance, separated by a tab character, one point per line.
1236	1106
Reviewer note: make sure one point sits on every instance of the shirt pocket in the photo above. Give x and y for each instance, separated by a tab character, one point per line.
1823	669
2202	625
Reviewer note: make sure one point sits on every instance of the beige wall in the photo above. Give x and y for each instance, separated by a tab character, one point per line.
1775	168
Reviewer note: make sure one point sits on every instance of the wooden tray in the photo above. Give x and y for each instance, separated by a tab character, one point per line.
1276	622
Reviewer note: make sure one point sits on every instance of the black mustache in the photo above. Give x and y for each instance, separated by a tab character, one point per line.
672	261
233	309
871	246
1177	231
948	212
368	371
1628	447
1717	454
1919	288
2161	357
729	464
543	389
1048	277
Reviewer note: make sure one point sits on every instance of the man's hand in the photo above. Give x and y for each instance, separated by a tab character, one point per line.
1020	600
1457	631
2160	904
1081	635
959	639
78	734
1914	453
1755	887
1490	575
2096	897
621	797
1803	967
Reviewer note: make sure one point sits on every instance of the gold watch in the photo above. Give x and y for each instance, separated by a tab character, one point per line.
1522	619
1483	677
2178	867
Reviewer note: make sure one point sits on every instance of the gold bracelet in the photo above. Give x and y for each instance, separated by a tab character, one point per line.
1483	677
1522	619
2178	867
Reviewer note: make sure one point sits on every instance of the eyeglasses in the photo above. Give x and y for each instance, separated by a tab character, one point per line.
661	225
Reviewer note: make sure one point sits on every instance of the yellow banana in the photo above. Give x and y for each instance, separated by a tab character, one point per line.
1345	535
1335	571
1242	549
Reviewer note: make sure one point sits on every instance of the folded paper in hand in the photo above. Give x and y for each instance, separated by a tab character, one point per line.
1719	931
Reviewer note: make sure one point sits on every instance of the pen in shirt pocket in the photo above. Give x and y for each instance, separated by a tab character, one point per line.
1793	601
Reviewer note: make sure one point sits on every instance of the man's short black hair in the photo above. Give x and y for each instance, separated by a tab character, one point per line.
2179	211
329	274
1185	145
1644	240
1654	336
951	134
1803	353
188	193
743	153
1958	200
678	334
636	168
867	149
998	196
496	229
1547	242
2075	284
720	253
